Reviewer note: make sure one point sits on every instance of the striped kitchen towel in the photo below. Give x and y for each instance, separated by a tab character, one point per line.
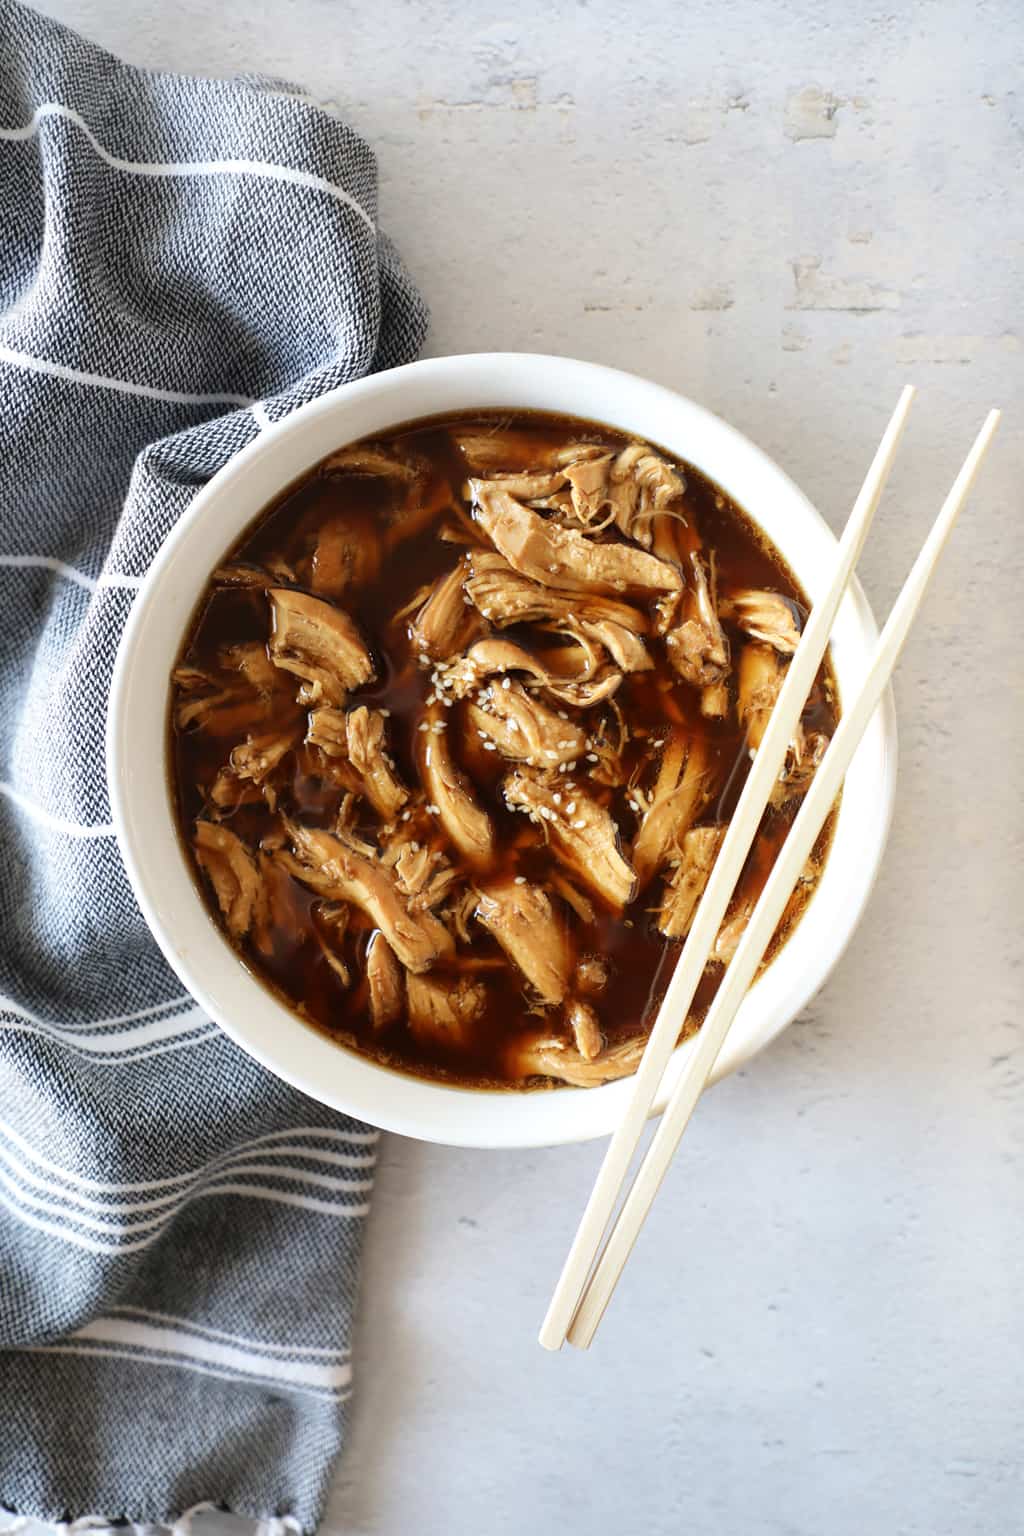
181	261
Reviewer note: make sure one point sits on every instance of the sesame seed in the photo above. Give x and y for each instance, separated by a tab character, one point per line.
562	715
563	767
439	726
592	757
489	746
557	799
431	698
506	682
579	826
570	807
571	766
433	810
513	725
553	569
423	726
482	735
385	713
520	879
659	743
406	815
629	923
633	805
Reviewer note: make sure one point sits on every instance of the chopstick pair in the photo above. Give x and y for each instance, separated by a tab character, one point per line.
583	1291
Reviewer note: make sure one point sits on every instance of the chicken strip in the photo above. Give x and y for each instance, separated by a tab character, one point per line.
523	729
442	1011
589	686
231	870
320	645
449	792
697	647
522	919
542	1055
580	830
332	868
562	557
365	734
586	1029
250	765
504	596
765	616
444	624
384	978
679	795
688	880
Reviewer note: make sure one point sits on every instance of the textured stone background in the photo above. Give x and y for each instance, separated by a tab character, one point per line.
786	210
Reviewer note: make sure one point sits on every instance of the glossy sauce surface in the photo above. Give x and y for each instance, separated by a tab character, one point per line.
654	703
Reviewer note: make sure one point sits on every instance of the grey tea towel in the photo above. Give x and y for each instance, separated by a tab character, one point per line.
180	262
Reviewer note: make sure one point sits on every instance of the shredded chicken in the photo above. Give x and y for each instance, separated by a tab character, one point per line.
444	624
586	1029
367	751
561	557
504	596
759	679
542	1055
688	880
372	459
697	647
330	929
589	686
442	1011
523	729
522	919
320	645
580	830
330	867
766	616
232	872
385	982
509	450
679	794
627	650
574	898
449	793
251	764
347	554
254	665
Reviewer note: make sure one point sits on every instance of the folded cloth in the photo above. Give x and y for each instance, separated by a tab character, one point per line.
181	260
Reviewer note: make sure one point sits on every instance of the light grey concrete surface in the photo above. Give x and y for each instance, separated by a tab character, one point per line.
785	210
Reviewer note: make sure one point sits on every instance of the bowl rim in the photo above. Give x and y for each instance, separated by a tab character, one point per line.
141	796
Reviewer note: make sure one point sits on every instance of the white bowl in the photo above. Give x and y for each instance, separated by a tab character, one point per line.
137	726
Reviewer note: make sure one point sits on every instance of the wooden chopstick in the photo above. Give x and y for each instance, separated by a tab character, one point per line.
765	918
739	837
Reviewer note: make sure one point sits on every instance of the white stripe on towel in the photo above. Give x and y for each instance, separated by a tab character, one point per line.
70	573
105	381
72	1203
366	1139
182	168
55	823
257	1346
162	1339
145	1357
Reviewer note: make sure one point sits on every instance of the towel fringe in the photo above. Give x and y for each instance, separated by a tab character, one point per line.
274	1525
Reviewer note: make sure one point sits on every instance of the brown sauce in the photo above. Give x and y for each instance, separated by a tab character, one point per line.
291	959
